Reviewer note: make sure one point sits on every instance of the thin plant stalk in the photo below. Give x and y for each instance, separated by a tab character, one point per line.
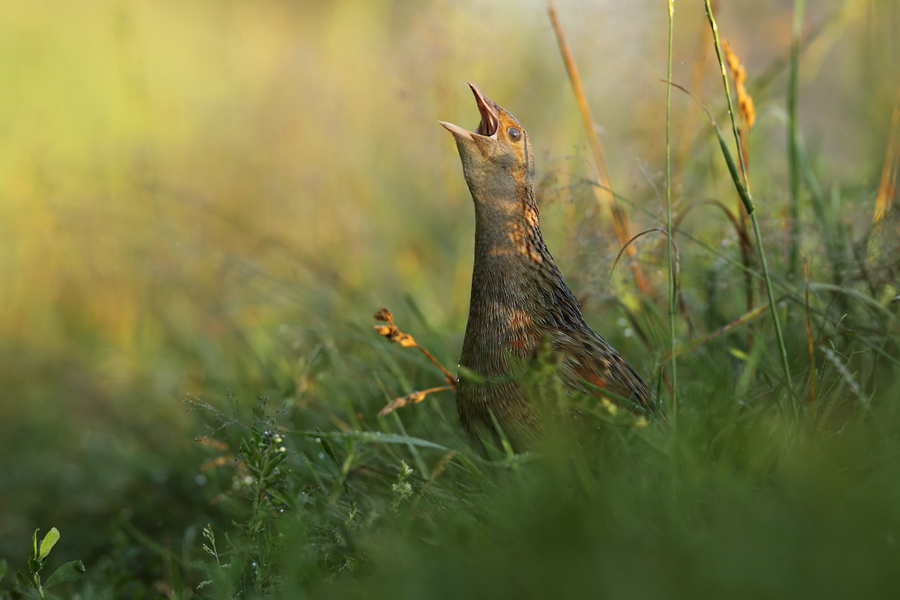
619	217
673	281
811	393
793	137
734	128
743	187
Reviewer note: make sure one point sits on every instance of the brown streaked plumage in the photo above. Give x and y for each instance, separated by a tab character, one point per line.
519	297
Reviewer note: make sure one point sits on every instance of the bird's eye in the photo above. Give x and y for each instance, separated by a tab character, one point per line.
514	134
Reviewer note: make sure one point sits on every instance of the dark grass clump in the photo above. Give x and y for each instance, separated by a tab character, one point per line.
733	501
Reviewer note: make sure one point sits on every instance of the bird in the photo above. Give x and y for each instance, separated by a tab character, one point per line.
519	301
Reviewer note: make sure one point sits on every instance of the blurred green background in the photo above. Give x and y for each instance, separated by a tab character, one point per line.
198	199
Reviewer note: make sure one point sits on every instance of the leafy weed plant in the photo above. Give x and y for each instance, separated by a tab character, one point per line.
30	584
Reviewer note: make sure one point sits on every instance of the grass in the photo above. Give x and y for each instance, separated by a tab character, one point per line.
196	240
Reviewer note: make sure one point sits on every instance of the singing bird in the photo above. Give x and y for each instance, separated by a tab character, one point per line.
519	299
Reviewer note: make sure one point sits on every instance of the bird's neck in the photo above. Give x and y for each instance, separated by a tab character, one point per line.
508	234
517	289
512	272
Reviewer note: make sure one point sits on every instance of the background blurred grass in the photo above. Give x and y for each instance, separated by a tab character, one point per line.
212	197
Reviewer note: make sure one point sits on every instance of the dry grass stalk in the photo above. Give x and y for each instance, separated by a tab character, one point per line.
394	334
605	197
887	188
745	101
739	73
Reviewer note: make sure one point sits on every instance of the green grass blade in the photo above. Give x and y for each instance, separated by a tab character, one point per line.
372	437
670	255
743	187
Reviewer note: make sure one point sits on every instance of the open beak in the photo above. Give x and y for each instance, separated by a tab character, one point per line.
490	121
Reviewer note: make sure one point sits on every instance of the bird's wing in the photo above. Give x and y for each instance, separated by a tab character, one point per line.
587	357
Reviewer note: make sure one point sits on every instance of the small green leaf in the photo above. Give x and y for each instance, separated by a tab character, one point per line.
3	568
34	543
48	542
370	437
733	170
274	464
71	571
739	354
26	586
471	376
320	437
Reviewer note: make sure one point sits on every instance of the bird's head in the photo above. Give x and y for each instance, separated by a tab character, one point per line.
497	158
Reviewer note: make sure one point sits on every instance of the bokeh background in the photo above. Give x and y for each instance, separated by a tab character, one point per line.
208	198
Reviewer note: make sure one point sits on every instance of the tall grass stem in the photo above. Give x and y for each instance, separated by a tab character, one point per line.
793	137
619	217
743	187
673	275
